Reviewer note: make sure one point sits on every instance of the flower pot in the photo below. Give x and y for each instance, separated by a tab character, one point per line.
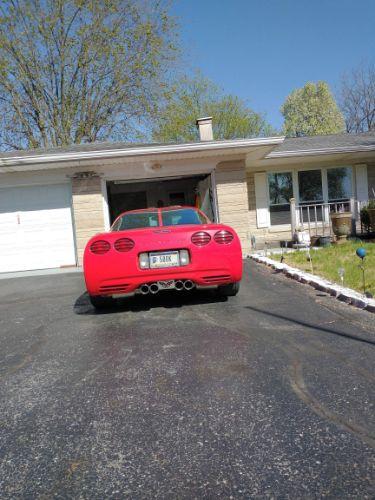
371	213
325	241
341	225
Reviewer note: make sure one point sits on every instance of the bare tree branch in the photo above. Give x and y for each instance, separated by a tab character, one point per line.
73	71
357	99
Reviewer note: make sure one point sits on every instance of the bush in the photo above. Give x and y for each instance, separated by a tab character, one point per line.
365	219
365	215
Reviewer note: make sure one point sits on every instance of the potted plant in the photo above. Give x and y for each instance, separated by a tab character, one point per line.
341	224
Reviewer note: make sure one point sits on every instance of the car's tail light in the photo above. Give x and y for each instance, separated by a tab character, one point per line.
124	244
200	238
223	237
100	247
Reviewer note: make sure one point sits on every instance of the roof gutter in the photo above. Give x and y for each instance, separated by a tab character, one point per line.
323	151
141	151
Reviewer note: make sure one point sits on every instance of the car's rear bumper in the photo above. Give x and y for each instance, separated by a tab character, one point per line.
130	284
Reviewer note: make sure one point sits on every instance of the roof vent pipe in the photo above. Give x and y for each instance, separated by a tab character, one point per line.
204	126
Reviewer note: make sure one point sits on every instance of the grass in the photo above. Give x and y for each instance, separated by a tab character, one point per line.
327	261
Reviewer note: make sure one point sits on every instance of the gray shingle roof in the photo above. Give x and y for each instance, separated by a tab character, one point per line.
78	148
290	145
102	147
320	142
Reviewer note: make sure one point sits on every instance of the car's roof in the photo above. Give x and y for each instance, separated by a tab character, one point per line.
156	209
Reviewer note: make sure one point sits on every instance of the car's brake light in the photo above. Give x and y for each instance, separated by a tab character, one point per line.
124	244
200	238
223	237
100	247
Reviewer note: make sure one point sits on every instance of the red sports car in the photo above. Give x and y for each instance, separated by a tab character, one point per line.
156	249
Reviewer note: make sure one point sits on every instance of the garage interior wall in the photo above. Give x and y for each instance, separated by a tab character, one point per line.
124	196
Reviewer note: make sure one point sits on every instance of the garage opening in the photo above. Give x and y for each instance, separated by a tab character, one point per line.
195	191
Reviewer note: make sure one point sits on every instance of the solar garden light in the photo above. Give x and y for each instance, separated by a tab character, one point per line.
310	259
284	244
253	242
341	272
361	253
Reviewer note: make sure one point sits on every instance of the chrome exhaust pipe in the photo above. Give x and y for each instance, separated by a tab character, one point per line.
144	289
188	285
154	288
179	285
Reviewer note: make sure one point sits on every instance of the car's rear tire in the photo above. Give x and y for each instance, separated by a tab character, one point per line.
100	302
229	290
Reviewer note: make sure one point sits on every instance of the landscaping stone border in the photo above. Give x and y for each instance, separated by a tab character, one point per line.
341	293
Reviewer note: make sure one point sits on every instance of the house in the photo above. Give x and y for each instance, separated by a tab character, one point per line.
52	201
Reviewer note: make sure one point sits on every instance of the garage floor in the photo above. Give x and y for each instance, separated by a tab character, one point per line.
266	395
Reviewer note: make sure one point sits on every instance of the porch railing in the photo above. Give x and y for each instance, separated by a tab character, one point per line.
315	218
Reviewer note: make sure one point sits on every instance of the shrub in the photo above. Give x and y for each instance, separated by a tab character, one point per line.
365	219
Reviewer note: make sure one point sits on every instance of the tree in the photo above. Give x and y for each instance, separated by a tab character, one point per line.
76	71
192	98
311	110
357	99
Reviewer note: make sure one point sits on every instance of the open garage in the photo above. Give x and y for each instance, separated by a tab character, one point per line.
190	190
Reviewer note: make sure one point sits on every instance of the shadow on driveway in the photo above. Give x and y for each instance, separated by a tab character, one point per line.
314	326
138	303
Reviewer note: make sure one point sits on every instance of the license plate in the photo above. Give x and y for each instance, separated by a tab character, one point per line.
166	285
164	259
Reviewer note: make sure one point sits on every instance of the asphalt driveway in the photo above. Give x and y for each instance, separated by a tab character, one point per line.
266	395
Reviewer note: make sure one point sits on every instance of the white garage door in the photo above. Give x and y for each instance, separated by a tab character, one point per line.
36	230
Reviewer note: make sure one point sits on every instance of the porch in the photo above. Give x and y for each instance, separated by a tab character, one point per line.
283	200
315	218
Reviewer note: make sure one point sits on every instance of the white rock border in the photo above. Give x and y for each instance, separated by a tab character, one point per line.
341	293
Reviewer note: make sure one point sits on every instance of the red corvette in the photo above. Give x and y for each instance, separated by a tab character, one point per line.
156	249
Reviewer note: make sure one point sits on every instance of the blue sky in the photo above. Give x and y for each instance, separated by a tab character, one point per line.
262	49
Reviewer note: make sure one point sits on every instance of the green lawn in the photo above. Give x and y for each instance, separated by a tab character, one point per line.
327	261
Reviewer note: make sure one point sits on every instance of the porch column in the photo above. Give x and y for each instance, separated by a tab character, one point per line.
293	216
87	208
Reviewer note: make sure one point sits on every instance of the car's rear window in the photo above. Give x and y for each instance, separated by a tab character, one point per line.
182	216
136	220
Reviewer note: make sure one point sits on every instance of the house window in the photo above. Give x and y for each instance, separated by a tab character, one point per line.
310	186
339	183
280	186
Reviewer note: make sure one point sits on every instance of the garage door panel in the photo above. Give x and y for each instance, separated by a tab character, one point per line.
36	228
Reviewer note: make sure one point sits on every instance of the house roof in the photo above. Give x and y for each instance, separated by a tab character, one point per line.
271	148
77	148
54	157
324	144
134	147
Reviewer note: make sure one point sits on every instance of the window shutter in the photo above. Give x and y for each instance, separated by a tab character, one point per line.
261	199
361	182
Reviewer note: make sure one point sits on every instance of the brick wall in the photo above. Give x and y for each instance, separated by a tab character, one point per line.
232	198
87	210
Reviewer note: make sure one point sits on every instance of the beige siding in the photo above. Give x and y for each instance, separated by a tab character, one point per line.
87	209
232	198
